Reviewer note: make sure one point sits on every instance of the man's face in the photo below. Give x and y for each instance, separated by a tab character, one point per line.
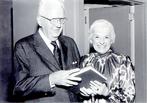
52	27
101	39
51	21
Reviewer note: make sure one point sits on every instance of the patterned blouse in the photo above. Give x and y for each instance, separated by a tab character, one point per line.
119	72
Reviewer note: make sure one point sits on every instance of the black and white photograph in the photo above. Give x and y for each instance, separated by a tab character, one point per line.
73	51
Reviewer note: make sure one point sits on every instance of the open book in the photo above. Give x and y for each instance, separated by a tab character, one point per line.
89	74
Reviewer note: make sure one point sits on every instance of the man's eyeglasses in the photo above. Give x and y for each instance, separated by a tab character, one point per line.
56	21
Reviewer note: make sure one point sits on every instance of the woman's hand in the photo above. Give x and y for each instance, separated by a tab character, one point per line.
99	88
96	88
86	91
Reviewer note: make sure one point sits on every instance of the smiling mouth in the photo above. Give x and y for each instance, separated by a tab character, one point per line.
99	45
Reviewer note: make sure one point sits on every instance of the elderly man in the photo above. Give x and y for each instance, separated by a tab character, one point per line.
44	61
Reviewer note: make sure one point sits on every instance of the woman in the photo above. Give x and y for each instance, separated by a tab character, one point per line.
120	85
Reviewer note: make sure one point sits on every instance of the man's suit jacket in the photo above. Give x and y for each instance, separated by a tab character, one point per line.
33	64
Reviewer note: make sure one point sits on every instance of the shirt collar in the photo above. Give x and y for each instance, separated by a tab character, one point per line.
105	54
46	40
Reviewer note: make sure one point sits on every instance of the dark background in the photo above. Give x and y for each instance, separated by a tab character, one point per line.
5	50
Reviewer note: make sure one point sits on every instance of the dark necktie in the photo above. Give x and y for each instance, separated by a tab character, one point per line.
57	53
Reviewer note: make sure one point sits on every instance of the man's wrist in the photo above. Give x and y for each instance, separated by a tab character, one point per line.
52	84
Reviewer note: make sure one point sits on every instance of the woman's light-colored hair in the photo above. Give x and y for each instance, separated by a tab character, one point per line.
102	23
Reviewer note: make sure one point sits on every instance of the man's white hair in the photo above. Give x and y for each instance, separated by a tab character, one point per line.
50	8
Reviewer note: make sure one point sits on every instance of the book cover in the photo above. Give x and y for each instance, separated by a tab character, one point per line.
89	74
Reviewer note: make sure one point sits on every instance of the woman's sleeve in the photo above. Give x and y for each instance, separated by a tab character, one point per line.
83	61
122	88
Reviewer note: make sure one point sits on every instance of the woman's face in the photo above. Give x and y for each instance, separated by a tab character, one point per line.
101	39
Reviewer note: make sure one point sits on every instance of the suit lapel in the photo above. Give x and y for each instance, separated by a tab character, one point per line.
63	49
43	51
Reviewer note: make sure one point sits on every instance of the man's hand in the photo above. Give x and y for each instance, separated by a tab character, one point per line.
64	77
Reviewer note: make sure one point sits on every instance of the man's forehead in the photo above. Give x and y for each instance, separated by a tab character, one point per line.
51	9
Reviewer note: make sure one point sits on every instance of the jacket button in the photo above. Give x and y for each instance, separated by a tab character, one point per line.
45	94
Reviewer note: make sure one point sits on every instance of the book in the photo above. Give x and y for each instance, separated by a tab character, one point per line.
89	74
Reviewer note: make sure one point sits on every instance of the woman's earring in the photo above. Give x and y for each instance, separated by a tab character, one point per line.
111	41
90	41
